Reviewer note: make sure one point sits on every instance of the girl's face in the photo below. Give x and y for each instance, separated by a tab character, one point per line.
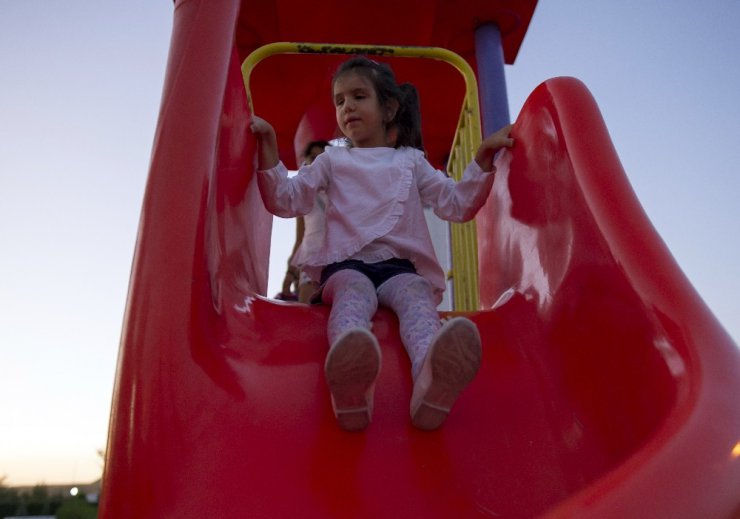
359	114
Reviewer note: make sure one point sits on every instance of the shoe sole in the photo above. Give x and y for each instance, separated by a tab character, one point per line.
455	357
351	368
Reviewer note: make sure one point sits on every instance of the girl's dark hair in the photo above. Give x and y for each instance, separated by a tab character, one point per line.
407	121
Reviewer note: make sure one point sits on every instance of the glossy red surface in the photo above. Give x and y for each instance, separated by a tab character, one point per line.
607	387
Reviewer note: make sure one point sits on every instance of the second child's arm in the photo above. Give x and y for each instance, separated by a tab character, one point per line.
267	156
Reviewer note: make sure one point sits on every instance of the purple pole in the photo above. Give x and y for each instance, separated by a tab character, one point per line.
489	54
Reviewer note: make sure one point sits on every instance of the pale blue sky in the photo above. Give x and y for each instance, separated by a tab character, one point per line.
79	98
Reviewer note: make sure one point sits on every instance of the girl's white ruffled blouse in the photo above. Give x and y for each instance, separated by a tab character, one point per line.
376	199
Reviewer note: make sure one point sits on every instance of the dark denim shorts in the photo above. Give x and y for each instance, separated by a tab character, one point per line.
378	273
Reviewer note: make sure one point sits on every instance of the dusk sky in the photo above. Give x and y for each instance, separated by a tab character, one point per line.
79	98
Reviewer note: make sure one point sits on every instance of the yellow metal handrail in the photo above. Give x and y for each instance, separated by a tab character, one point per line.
464	241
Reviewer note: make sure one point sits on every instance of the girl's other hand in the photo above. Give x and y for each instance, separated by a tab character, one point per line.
491	144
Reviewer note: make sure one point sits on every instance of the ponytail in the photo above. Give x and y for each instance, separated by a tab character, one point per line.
408	118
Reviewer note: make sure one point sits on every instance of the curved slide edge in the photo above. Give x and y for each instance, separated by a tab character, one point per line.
565	199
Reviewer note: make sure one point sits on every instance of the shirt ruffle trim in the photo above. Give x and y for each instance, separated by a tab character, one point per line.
390	221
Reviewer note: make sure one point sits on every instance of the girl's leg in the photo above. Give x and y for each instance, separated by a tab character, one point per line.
410	297
353	362
444	360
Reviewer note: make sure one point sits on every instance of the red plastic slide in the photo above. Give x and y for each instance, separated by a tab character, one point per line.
607	390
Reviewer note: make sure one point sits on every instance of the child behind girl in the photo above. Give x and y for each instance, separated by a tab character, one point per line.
309	236
377	248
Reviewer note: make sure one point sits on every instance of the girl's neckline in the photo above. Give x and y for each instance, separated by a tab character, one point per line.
371	148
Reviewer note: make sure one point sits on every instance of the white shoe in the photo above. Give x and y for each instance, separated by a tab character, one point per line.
351	367
450	365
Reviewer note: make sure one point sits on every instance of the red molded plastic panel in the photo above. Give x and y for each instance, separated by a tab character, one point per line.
607	387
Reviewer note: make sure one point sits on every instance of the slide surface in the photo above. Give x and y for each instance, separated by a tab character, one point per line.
607	387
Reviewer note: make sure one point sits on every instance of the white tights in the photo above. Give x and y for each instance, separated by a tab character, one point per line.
354	300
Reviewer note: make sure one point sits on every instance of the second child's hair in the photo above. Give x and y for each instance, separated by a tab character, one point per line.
407	121
315	144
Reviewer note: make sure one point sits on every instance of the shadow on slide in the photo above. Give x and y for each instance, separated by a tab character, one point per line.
607	388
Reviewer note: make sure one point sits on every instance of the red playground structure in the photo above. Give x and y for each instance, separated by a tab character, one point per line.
607	389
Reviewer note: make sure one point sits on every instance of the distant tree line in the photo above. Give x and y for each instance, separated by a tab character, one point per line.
39	501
